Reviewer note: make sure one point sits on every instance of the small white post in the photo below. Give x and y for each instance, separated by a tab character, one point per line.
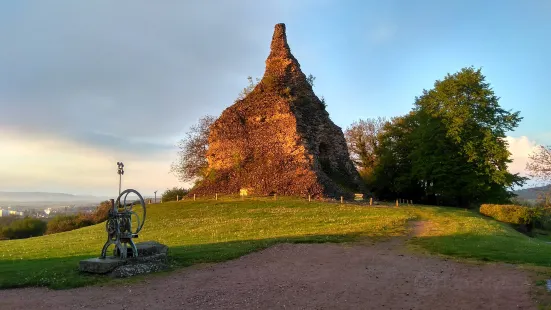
371	201
177	198
193	197
216	197
309	198
341	199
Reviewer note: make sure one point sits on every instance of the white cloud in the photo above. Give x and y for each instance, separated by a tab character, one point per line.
33	163
520	148
143	62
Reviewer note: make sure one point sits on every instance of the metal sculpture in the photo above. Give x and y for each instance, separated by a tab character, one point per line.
119	225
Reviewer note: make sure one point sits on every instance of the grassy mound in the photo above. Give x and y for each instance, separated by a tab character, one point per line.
201	231
465	234
213	231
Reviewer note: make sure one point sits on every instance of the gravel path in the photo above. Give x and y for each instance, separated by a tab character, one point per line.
305	276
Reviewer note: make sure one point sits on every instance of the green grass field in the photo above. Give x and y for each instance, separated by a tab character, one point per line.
466	234
213	231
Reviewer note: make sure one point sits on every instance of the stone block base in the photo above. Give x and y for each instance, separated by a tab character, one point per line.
152	257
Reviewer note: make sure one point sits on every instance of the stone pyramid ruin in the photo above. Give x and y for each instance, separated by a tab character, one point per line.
279	139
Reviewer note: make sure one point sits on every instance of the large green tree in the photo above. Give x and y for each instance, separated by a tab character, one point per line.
461	151
392	177
452	146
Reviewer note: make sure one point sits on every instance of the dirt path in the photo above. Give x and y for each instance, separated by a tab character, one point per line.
305	276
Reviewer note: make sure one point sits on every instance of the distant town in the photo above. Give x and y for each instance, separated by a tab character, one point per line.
48	211
47	205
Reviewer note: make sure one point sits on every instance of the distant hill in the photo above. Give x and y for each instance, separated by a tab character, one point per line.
532	193
54	197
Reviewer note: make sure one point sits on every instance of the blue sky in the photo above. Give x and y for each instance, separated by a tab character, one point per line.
375	59
71	72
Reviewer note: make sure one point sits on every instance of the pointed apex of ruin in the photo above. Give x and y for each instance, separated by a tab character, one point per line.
279	47
279	39
281	63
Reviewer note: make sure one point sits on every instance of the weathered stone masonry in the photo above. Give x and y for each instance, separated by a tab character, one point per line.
279	138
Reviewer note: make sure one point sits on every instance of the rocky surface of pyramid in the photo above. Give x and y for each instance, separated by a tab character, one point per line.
279	139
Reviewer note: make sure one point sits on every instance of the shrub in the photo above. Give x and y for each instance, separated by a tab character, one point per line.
512	214
7	220
15	228
61	223
23	228
544	222
102	212
523	216
172	194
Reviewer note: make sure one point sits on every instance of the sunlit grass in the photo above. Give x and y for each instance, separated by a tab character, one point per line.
200	231
212	231
466	234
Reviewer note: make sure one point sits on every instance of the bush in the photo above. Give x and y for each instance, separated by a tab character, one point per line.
23	228
512	214
175	192
102	212
523	216
14	228
7	220
61	223
544	222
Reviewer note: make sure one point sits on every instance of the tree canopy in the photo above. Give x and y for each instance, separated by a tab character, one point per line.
191	163
362	141
451	148
539	163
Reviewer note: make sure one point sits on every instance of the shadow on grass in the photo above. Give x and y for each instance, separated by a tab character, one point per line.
63	273
515	249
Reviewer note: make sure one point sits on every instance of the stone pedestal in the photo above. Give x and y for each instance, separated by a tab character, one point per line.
152	257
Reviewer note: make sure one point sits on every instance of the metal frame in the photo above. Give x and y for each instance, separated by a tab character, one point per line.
119	225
